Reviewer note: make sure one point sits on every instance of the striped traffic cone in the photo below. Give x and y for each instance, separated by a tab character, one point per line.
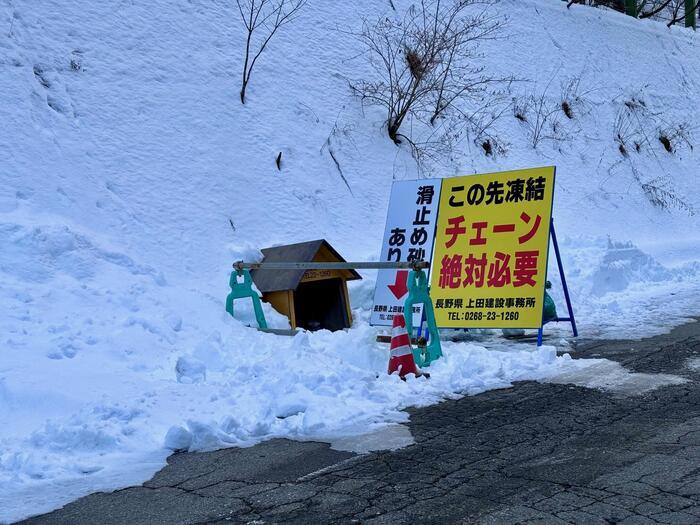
401	358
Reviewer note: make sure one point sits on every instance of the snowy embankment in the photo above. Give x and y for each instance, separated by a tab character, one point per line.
132	177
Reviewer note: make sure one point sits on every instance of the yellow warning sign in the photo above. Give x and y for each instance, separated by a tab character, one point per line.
489	263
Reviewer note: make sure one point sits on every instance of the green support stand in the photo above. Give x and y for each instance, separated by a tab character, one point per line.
241	290
418	293
631	7
690	8
550	308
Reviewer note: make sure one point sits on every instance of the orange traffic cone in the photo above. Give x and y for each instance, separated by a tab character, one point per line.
401	357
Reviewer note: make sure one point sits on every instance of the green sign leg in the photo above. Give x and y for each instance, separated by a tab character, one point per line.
418	293
631	7
241	290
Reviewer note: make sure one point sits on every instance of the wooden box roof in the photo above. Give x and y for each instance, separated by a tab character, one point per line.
310	251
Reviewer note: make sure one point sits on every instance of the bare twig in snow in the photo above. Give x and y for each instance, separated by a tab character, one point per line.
329	146
424	64
262	19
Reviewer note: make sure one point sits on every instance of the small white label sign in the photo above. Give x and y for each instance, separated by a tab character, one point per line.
408	236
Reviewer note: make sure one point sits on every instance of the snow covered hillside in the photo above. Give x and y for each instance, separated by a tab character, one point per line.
132	177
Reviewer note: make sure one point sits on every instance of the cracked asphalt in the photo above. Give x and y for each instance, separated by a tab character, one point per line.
533	453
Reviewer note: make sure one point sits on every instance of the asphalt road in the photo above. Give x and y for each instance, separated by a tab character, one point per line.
533	453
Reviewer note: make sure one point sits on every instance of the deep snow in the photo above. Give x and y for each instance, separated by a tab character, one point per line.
124	153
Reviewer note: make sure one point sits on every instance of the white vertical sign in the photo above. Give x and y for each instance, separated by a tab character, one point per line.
408	236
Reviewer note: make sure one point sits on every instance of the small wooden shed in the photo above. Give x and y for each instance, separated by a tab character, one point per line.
312	299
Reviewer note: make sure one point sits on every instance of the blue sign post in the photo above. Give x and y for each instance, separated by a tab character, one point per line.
560	266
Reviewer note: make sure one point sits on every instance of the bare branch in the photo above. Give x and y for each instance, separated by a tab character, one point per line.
425	63
262	19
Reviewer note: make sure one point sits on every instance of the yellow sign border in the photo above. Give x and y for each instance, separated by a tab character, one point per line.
437	251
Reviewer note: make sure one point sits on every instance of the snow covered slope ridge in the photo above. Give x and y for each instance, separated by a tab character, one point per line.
132	176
